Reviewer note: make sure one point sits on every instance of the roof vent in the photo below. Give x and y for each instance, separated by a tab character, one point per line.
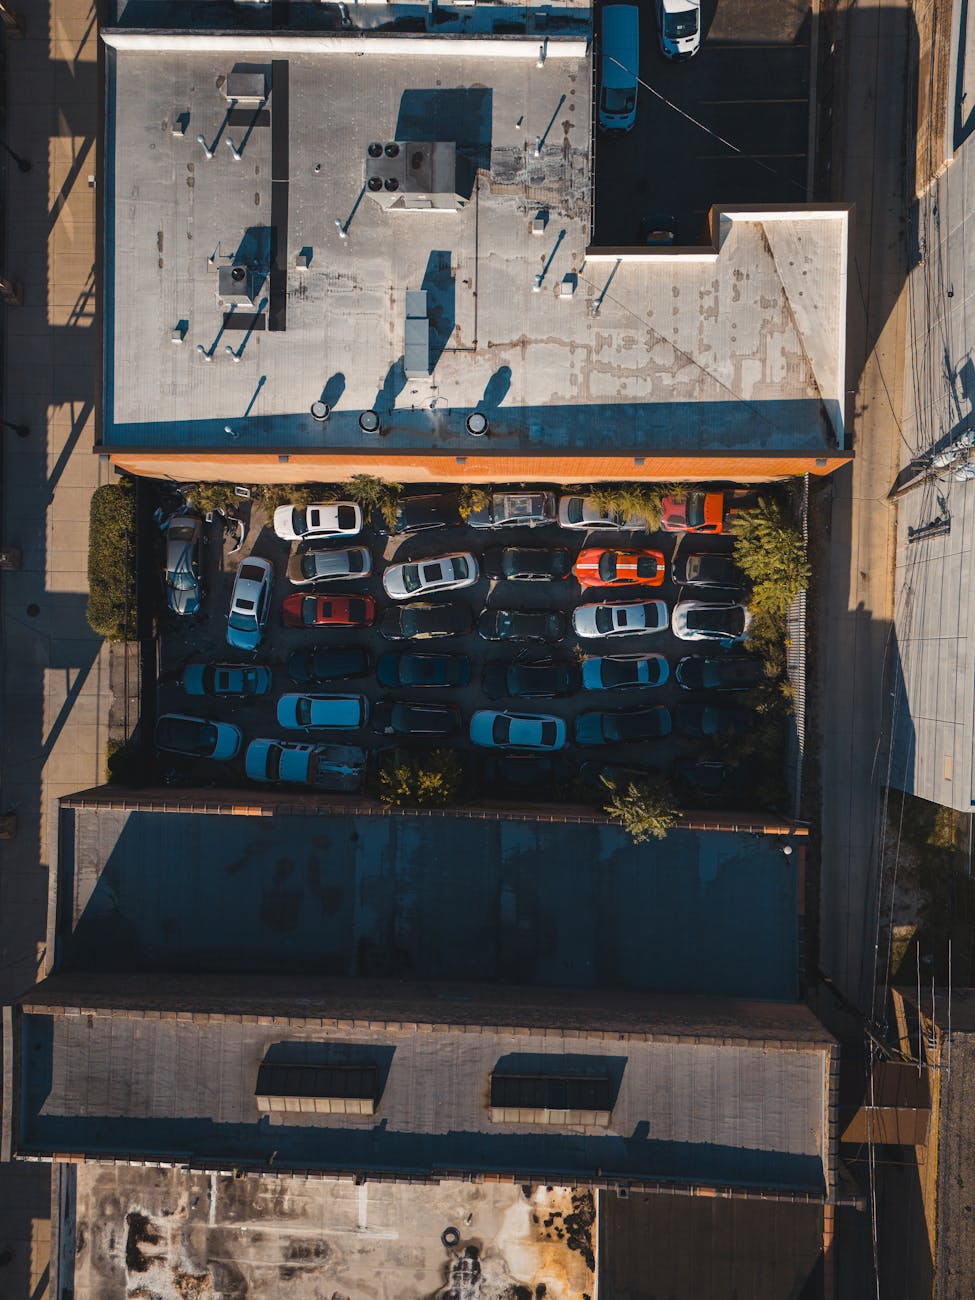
392	150
375	184
375	150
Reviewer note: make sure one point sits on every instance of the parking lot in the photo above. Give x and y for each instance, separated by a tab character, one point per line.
749	84
202	640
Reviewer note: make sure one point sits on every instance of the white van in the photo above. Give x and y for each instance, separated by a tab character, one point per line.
620	67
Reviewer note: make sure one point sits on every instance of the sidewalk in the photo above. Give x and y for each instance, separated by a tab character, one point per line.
54	670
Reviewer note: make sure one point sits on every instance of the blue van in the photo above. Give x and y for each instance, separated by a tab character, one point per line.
620	67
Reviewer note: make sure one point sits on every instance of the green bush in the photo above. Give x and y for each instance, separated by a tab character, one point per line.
423	780
635	500
473	499
645	808
770	551
214	496
111	561
373	493
272	495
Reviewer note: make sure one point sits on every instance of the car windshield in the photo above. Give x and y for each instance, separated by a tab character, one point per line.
729	622
646	566
242	621
604	619
695	509
617	101
273	762
187	734
411	576
303	710
250	573
181	532
309	610
619	674
574	512
299	522
346	517
460	568
549	732
357	611
355	561
679	26
309	566
607	566
500	730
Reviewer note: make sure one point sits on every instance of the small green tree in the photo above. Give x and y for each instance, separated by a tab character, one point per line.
272	495
111	561
645	808
214	496
373	493
472	499
635	500
769	549
420	780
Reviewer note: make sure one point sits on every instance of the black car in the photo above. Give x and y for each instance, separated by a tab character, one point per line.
315	667
401	668
731	673
622	725
404	718
692	568
521	625
712	720
527	563
706	780
419	513
543	679
524	774
421	619
594	776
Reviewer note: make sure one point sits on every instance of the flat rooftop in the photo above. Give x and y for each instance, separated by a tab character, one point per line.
740	349
694	1111
429	898
281	1237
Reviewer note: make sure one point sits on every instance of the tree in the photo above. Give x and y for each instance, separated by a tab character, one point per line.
645	808
373	493
635	500
473	499
769	549
423	780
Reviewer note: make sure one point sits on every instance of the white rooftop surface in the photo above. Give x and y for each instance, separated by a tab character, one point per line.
712	1111
742	351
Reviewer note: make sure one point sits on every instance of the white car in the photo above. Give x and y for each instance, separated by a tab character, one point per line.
615	618
328	767
250	603
332	566
323	519
679	28
441	573
314	712
583	513
501	730
623	672
702	620
198	737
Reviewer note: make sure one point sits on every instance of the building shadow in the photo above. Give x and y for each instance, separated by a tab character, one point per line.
460	116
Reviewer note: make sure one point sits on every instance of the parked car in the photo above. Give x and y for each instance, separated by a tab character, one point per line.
341	768
723	673
583	513
401	668
321	712
323	519
679	28
198	737
426	577
527	563
657	229
707	781
316	667
405	718
515	509
619	68
316	565
690	568
695	512
614	618
299	610
538	679
419	513
601	567
521	625
623	672
712	720
495	730
250	603
699	620
622	726
236	680
422	620
184	537
594	775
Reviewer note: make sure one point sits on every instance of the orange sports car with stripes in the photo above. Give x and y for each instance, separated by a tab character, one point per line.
605	567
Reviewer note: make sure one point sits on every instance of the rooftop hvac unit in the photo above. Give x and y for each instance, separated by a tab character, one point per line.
238	284
416	343
413	175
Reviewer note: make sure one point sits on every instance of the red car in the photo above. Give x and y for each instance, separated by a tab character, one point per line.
605	567
301	610
695	512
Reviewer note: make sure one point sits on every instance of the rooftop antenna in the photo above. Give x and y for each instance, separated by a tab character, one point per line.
227	429
231	352
234	150
201	139
542	51
204	354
